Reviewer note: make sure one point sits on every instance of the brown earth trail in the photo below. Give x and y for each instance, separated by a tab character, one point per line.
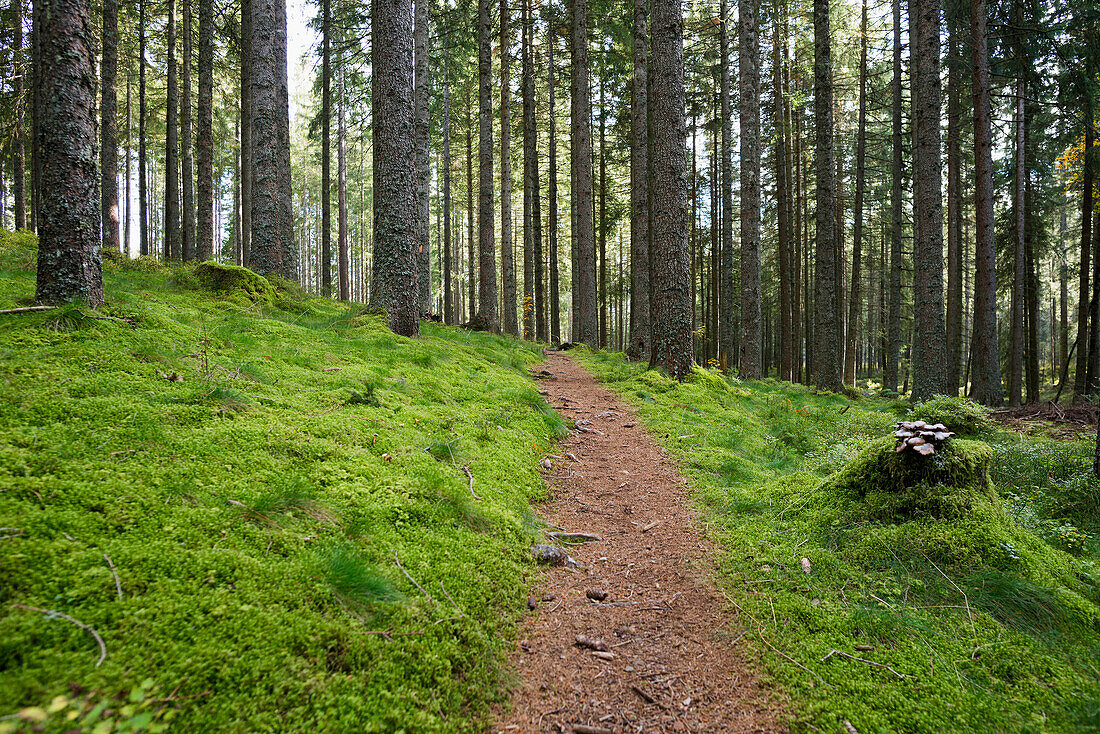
667	656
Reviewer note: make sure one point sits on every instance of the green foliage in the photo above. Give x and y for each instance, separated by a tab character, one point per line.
233	282
931	569
963	416
253	513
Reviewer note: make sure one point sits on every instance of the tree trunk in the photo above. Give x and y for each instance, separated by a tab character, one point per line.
893	319
552	185
471	258
395	273
449	316
857	210
204	146
69	265
129	147
671	267
584	265
487	294
509	323
749	90
726	315
930	338
954	211
18	152
782	200
601	228
985	368
343	289
326	148
640	324
272	246
421	52
186	145
143	164
534	306
1080	384
172	251
247	152
108	151
827	346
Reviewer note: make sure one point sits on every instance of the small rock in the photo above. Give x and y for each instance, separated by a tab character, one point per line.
603	655
548	597
805	565
546	464
592	643
532	603
628	669
596	594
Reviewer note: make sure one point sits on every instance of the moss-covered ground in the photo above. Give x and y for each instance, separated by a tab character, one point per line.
983	603
278	483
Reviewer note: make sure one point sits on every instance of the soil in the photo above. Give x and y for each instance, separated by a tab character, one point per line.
644	592
1057	421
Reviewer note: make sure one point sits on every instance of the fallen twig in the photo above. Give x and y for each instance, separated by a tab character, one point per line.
77	622
863	660
470	474
118	586
449	598
410	578
26	309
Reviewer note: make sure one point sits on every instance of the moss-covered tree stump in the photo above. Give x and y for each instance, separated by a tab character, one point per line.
231	280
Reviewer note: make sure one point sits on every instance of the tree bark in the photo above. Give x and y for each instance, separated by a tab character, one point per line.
954	211
782	200
326	148
985	368
854	302
534	304
18	153
487	293
204	145
421	53
827	346
343	286
893	319
671	265
272	246
749	361
1080	383
69	265
930	342
186	143
108	151
172	250
552	185
449	315
143	164
395	274
584	265
640	324
509	322
247	153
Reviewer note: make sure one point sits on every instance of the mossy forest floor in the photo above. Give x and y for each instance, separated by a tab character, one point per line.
259	502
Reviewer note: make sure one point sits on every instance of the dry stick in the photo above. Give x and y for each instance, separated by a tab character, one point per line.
78	623
863	660
27	309
451	599
410	578
118	586
470	474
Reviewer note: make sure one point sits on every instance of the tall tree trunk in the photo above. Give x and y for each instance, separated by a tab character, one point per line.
247	152
471	258
854	301
186	143
421	54
343	288
640	324
326	148
893	319
108	151
782	197
204	146
534	306
18	153
584	265
509	322
487	294
395	275
1080	384
143	163
985	368
272	246
601	228
1063	295
1016	363
727	315
827	346
930	342
954	210
749	90
129	148
69	265
672	305
172	251
449	316
552	185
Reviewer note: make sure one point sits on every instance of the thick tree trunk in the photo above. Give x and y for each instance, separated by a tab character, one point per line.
186	143
421	53
552	185
827	346
343	287
854	301
395	273
172	251
601	228
749	361
247	152
18	153
640	325
584	265
509	322
782	200
930	342
108	151
985	368
143	163
954	213
272	246
487	293
670	262
326	148
69	265
727	326
204	146
893	319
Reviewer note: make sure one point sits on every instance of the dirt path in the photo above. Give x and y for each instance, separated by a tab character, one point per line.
671	663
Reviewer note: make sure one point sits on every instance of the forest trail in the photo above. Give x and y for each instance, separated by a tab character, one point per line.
671	661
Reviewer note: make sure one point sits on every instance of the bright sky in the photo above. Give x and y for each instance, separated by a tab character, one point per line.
300	40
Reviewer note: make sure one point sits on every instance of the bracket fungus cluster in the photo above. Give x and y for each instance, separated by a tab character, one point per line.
920	437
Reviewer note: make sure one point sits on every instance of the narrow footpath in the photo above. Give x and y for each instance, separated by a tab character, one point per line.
636	638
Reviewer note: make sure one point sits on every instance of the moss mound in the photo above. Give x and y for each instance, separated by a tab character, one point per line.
964	417
882	485
233	282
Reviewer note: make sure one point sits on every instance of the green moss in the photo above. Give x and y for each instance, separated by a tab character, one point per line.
233	282
963	416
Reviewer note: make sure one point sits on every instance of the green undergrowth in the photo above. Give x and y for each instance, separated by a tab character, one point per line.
952	572
278	483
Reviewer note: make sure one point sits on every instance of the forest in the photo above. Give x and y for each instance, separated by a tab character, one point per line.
565	366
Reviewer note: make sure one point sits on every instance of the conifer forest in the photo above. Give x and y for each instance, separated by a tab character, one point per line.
549	366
